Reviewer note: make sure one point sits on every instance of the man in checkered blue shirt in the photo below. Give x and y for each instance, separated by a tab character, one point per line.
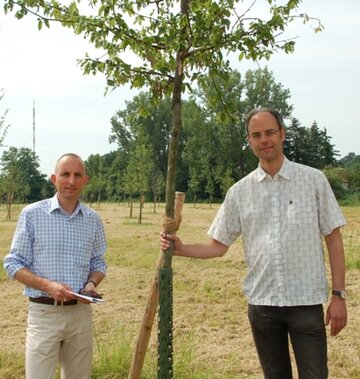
282	210
58	248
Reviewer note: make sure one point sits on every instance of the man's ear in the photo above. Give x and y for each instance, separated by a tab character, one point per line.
282	134
53	179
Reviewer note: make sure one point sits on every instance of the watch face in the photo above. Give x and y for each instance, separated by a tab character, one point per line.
341	294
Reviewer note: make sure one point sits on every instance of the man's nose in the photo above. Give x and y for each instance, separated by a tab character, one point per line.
264	138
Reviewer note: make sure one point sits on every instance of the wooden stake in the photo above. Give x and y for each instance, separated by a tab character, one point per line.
151	305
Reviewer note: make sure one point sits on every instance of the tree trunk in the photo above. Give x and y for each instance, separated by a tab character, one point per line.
141	208
98	200
154	200
166	259
131	206
10	198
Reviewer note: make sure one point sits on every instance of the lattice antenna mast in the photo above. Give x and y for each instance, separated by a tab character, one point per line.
34	126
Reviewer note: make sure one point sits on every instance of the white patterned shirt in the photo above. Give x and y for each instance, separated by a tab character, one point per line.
281	221
57	246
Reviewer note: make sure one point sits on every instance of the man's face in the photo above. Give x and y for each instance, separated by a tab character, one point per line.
69	178
265	137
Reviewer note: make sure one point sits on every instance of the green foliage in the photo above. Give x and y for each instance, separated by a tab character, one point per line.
350	159
20	177
219	141
309	145
351	200
338	179
160	33
351	237
351	164
95	189
354	177
113	354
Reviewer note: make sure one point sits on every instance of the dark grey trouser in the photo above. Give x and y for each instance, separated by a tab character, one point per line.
271	327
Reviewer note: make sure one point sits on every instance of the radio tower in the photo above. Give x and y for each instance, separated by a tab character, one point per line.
34	126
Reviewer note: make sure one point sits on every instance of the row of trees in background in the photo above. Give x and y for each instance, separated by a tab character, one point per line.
20	178
213	148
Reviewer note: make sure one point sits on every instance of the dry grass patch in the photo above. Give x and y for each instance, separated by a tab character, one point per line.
212	337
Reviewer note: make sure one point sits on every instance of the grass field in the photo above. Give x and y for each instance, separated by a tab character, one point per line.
212	338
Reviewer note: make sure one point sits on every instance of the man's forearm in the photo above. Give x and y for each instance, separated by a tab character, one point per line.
32	280
211	249
95	278
337	259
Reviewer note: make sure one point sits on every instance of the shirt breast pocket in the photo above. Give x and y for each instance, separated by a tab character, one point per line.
83	249
301	212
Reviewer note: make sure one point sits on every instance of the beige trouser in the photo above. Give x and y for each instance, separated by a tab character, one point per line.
59	334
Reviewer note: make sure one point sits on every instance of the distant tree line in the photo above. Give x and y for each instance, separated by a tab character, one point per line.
213	149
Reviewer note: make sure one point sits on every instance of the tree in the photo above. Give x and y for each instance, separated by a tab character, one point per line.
198	148
218	143
296	141
96	187
350	159
116	165
157	186
309	146
261	90
354	175
129	181
338	179
143	167
321	150
226	114
11	184
141	120
20	176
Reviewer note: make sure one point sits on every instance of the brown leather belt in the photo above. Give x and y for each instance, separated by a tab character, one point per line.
51	301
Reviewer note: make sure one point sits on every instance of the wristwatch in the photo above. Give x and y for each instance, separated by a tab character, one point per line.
341	294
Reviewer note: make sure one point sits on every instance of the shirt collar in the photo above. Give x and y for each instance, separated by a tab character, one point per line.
284	171
55	206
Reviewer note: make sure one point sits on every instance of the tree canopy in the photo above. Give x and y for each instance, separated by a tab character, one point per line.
160	35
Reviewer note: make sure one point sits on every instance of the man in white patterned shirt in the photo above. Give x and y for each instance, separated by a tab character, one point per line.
282	210
58	247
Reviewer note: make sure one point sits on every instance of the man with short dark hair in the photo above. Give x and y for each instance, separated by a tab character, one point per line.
282	210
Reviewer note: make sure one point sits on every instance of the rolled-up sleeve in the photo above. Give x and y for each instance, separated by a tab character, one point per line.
97	262
21	251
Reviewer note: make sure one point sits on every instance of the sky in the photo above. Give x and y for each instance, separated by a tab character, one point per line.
72	113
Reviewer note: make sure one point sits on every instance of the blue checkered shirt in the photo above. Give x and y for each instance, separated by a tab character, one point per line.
57	246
